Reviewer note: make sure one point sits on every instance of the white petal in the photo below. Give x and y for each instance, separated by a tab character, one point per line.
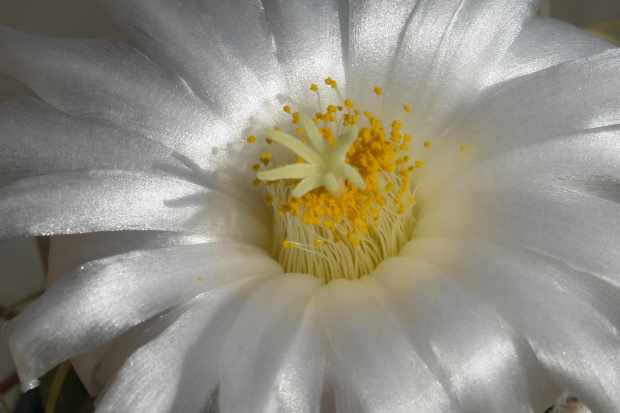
175	367
488	367
111	82
115	84
374	31
100	300
98	366
69	251
66	203
37	139
577	345
216	58
447	50
308	43
531	109
577	228
545	42
386	374
592	155
273	358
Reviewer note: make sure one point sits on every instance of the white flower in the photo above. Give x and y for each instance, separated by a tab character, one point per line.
507	290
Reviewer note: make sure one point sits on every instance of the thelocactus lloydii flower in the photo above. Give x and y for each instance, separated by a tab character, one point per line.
504	291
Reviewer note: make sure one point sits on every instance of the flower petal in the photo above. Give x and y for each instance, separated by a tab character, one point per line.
374	34
308	43
210	47
69	251
530	109
385	373
545	42
113	294
577	345
102	79
545	218
116	200
274	354
37	139
447	50
115	84
591	155
175	366
488	367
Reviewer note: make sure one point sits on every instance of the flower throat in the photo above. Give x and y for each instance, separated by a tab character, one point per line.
341	191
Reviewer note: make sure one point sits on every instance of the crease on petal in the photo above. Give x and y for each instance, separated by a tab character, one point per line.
219	64
447	50
385	372
468	346
308	43
174	367
545	42
38	139
273	358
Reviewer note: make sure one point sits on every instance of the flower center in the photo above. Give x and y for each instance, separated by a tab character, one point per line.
343	203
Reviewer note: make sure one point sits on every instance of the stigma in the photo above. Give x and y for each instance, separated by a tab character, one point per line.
340	187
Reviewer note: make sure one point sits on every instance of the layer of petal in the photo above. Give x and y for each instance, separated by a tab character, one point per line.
577	345
176	367
65	203
482	362
111	295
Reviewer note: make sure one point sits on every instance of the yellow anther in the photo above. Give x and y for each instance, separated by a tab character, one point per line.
314	87
348	103
269	141
411	200
318	243
266	158
427	144
287	108
256	182
299	131
378	90
255	167
268	199
407	108
419	164
285	244
251	138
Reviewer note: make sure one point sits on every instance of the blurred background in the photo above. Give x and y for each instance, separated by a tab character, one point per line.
21	268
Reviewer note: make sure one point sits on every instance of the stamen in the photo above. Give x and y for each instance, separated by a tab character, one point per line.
344	201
